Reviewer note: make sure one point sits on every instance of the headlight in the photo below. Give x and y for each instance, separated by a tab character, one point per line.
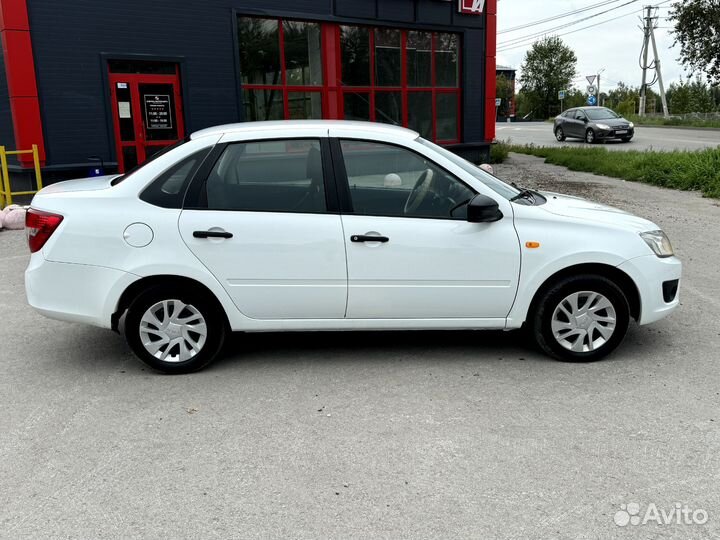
604	127
659	243
632	126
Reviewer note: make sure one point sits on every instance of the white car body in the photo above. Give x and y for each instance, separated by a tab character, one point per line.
299	271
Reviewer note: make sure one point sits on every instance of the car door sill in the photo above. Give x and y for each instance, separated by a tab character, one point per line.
256	325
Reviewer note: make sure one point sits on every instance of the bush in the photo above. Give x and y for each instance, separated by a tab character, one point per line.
690	171
499	152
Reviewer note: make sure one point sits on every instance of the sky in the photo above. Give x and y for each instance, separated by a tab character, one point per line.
614	46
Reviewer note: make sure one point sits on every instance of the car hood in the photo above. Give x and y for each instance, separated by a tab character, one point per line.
583	209
81	184
613	122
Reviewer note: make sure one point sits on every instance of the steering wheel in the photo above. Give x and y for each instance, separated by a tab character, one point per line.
420	192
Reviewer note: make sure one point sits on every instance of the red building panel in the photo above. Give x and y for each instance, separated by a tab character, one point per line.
22	84
490	66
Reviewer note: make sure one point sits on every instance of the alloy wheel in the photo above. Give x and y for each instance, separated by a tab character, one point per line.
173	331
584	321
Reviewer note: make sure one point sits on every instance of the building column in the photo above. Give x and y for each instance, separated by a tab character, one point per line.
21	81
490	66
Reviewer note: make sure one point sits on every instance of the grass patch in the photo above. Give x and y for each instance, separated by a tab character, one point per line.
689	171
499	152
674	121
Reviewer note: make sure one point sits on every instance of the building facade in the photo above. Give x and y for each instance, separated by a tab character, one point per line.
117	81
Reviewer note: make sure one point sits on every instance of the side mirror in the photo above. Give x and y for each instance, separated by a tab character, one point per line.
482	209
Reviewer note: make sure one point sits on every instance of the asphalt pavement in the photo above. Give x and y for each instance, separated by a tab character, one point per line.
646	138
372	435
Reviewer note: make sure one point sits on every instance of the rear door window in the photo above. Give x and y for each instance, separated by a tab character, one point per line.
269	176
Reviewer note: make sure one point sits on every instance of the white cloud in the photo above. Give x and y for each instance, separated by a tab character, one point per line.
614	46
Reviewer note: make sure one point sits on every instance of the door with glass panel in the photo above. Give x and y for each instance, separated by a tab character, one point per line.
147	109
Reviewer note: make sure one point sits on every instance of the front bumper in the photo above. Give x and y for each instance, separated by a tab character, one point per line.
75	292
613	134
653	277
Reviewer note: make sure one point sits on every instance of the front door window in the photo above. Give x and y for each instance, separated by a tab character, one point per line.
387	180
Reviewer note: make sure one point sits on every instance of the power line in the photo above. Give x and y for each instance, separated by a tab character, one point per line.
558	16
533	39
562	26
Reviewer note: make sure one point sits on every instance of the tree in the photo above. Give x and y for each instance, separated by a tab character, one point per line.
505	90
697	30
549	67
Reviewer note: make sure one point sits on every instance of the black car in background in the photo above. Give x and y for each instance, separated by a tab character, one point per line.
593	124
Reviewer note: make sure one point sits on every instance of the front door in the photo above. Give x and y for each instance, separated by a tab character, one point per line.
428	262
147	115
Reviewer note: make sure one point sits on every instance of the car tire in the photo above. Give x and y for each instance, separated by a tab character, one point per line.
590	136
175	331
626	139
560	134
580	318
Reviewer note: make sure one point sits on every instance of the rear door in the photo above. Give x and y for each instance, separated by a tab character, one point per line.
262	222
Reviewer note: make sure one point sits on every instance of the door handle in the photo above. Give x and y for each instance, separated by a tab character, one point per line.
369	238
212	234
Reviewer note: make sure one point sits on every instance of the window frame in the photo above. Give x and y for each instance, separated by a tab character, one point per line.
283	87
332	92
404	89
343	181
196	195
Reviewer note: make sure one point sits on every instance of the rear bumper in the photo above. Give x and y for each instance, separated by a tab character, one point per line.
653	277
75	292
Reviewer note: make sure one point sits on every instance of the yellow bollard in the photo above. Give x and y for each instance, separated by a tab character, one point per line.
38	173
5	178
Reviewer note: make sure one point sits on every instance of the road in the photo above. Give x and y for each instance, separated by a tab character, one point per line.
370	435
646	138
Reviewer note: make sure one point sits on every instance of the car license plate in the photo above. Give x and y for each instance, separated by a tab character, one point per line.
621	131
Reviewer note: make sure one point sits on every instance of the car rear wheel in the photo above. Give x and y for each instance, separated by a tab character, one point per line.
174	331
581	319
590	136
560	134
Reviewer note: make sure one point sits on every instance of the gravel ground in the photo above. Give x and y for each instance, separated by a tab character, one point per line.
371	435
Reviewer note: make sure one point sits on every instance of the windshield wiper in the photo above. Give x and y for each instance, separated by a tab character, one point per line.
524	194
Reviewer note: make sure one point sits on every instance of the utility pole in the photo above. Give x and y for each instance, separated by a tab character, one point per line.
646	40
659	72
649	36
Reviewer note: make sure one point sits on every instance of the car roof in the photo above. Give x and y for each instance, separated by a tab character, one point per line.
286	126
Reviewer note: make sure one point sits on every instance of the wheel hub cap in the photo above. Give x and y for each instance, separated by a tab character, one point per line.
584	321
173	331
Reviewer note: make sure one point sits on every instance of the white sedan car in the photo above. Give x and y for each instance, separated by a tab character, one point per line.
321	225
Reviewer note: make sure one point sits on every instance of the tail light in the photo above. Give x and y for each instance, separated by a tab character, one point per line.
39	227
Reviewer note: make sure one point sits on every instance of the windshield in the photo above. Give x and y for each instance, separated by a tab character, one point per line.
601	114
136	168
497	185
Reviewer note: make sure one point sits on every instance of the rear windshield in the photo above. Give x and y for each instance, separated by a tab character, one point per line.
152	158
601	114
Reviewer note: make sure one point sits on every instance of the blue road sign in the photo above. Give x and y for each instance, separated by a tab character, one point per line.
592	101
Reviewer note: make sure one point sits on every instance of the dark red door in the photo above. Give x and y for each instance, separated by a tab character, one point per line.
147	115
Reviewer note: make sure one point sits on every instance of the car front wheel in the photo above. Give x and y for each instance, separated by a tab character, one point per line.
590	136
560	134
174	331
581	319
